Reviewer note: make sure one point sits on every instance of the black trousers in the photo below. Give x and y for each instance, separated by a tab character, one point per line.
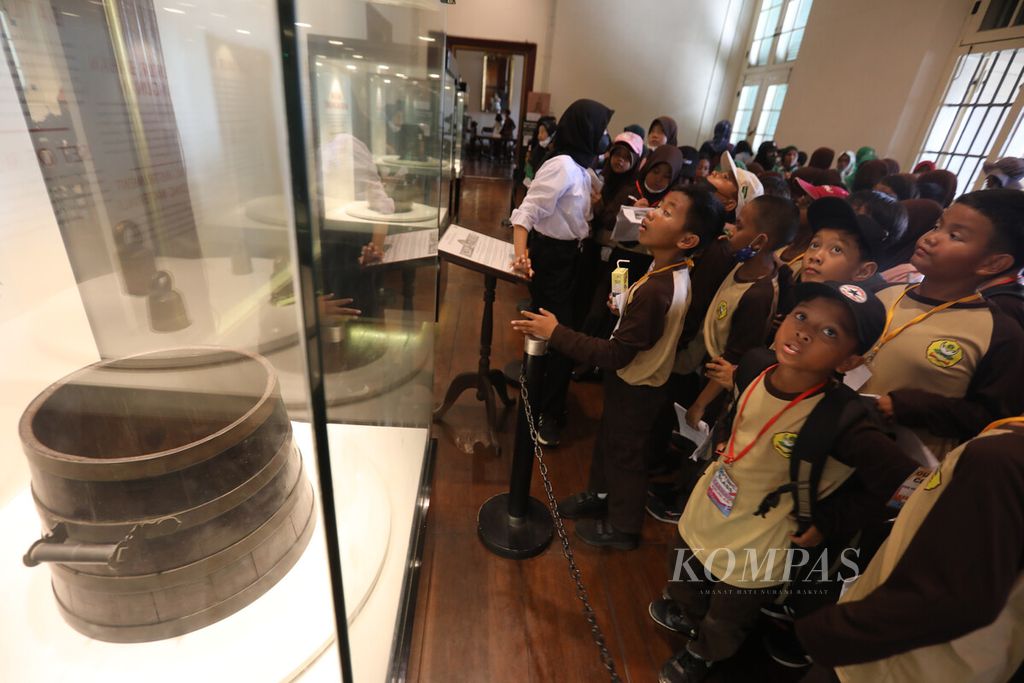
555	264
619	462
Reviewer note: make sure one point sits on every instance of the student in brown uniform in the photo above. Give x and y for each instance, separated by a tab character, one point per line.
735	548
943	600
949	362
637	360
742	309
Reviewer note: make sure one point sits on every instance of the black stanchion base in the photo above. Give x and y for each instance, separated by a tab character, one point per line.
515	539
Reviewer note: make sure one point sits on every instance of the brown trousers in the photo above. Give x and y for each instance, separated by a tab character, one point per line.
723	614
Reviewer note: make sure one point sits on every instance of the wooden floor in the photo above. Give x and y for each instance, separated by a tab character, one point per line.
479	617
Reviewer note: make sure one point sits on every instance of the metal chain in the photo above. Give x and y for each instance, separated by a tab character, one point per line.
574	571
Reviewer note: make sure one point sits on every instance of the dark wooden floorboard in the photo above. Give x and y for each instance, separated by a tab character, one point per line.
479	617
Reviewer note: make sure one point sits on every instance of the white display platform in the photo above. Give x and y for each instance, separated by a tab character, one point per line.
271	212
419	213
288	632
225	309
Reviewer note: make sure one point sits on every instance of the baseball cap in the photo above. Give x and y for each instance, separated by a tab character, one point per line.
747	184
836	212
1009	171
819	191
631	140
867	310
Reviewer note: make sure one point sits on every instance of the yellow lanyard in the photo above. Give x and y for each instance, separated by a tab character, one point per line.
685	262
795	259
888	336
1019	419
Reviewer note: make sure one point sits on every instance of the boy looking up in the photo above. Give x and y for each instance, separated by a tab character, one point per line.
735	544
638	359
948	362
742	309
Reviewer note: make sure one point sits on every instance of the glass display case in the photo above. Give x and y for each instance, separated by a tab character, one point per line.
218	303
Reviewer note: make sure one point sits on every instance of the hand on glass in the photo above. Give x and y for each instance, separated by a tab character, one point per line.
540	325
333	307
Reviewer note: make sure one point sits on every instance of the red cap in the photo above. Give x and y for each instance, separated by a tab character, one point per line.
819	191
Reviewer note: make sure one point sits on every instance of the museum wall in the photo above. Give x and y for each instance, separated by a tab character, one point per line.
643	58
868	74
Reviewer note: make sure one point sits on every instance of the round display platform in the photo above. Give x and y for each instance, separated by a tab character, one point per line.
418	214
274	209
273	639
224	309
430	164
404	355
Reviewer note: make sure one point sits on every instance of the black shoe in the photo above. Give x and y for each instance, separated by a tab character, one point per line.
600	533
549	433
684	668
778	612
782	645
667	613
581	505
662	511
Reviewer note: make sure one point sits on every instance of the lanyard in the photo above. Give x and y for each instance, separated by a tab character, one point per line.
888	336
672	266
795	259
1019	419
731	455
999	283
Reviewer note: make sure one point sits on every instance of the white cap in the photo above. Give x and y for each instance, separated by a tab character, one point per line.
747	183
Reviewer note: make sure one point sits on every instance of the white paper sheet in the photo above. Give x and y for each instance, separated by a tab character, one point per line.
409	246
698	435
627	223
477	247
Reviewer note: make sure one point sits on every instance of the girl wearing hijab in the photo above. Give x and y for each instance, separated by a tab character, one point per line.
743	153
540	145
659	173
846	165
719	142
864	154
767	155
662	131
788	163
548	229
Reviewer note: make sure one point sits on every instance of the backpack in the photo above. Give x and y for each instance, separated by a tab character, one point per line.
840	409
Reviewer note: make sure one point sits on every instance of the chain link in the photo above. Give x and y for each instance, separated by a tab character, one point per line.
574	571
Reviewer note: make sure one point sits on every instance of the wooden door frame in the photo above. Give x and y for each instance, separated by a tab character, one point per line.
529	52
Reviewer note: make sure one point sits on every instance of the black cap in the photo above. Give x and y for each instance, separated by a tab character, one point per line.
867	310
836	212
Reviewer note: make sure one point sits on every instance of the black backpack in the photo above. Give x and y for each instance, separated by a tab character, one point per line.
841	408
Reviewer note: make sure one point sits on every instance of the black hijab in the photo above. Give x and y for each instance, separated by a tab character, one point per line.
614	182
580	130
666	154
766	155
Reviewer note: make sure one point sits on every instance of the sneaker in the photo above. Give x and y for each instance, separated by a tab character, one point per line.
600	533
549	433
784	647
662	511
586	504
668	614
684	668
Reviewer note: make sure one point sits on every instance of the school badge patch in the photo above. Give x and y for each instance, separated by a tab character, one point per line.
934	482
783	442
723	310
944	353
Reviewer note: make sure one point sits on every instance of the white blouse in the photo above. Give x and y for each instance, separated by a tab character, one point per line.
557	205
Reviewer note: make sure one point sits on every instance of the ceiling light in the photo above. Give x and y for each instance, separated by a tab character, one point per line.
428	39
357	56
387	80
435	75
350	67
383	67
302	24
174	10
243	31
335	42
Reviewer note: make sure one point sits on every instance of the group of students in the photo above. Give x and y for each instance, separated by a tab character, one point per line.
857	360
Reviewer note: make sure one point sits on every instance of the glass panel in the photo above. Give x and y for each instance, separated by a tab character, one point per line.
970	128
380	156
1011	84
150	248
794	45
1000	64
963	77
1015	142
998	15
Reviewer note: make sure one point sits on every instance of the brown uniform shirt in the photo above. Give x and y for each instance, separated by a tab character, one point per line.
643	345
746	540
739	316
951	374
943	600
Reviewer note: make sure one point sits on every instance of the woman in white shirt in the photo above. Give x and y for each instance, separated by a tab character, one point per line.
548	229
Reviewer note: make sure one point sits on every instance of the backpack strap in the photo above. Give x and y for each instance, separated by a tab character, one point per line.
840	408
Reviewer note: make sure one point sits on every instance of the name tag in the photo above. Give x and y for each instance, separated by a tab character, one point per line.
909	485
857	377
722	491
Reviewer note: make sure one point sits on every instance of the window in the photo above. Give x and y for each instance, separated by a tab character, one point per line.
774	44
978	118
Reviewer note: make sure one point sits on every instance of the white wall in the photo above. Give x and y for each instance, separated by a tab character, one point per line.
643	58
868	73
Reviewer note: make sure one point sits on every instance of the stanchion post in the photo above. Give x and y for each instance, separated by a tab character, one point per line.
513	524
